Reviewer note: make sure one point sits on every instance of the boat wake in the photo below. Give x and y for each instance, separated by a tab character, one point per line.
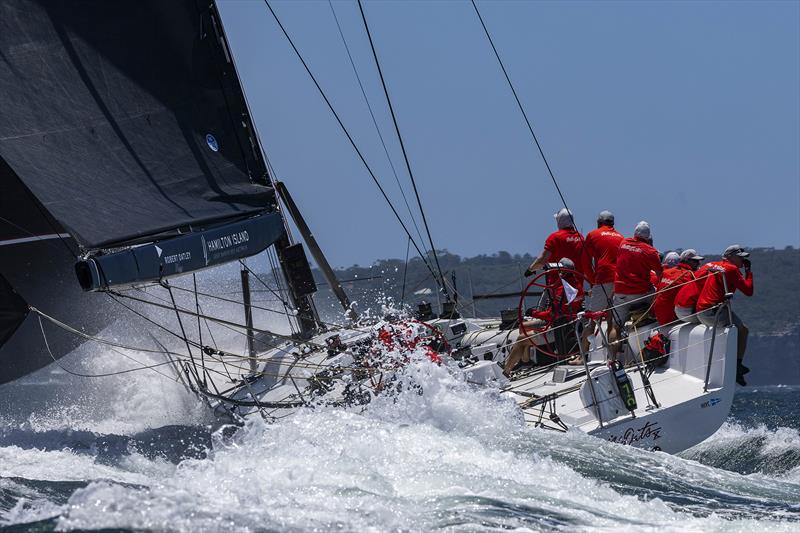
439	454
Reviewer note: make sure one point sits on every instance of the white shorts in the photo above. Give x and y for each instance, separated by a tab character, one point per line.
686	314
601	297
623	303
707	318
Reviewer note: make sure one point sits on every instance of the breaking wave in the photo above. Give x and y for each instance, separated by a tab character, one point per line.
442	455
749	450
137	451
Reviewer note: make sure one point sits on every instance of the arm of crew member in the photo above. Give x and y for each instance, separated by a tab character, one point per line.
744	284
588	266
656	267
541	260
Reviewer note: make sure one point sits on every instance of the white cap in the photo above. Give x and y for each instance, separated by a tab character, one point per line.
642	230
563	218
672	259
606	216
735	249
689	254
566	262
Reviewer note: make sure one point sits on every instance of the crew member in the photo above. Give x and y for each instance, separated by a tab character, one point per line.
725	278
671	260
566	242
671	281
564	300
632	287
601	247
687	295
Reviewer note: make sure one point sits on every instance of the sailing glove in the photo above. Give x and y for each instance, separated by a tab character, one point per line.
746	264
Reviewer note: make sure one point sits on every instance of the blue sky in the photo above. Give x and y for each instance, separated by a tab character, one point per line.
685	114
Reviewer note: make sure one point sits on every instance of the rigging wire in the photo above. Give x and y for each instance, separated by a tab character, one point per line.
405	272
105	374
185	338
352	141
199	329
375	122
522	109
615	317
403	150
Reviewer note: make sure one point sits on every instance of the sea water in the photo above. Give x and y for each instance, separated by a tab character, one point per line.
136	451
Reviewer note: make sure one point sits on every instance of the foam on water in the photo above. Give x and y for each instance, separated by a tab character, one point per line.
440	454
752	450
452	456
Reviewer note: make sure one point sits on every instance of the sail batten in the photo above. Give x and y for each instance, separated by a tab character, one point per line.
125	119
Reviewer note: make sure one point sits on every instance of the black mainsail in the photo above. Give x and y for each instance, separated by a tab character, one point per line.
121	123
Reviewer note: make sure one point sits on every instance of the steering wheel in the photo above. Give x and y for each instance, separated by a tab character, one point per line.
553	311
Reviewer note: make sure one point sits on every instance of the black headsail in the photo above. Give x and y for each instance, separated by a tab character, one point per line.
121	123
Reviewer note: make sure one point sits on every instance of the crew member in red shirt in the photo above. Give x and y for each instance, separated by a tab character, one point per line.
562	303
671	259
724	277
601	247
636	257
686	297
566	242
671	281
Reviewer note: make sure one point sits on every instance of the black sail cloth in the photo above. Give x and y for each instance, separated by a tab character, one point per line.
126	119
120	122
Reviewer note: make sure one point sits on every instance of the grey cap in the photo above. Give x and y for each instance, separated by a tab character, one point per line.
642	230
672	259
735	249
563	218
689	254
607	217
566	262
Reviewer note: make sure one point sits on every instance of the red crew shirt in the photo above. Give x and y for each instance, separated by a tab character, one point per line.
668	287
713	291
688	294
567	243
635	260
601	246
560	302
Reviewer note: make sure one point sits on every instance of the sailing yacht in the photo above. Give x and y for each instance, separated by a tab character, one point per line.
129	158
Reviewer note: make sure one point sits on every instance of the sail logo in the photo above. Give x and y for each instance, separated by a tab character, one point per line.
177	258
228	241
631	248
211	141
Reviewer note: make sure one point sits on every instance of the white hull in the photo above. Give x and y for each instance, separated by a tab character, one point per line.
685	415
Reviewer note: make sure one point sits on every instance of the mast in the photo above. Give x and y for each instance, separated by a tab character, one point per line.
294	263
316	251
